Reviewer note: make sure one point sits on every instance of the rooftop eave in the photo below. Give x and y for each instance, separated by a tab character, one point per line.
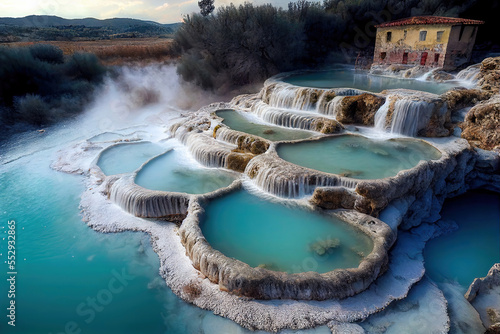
429	20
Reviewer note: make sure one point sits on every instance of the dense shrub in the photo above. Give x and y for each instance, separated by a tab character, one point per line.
32	109
85	66
238	45
39	86
47	53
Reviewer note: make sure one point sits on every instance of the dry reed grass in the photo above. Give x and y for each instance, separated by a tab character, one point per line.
116	51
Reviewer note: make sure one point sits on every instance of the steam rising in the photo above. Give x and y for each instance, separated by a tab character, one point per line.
138	95
131	96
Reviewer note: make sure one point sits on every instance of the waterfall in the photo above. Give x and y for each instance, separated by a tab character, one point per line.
332	107
285	96
282	118
381	115
407	117
228	135
144	202
348	183
285	179
322	102
205	149
291	97
347	91
408	114
425	76
469	74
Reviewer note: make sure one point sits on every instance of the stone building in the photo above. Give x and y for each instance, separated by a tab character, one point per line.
432	41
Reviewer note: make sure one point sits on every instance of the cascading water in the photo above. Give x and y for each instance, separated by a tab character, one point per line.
408	113
425	76
227	135
205	149
381	115
274	179
146	203
469	74
348	91
305	98
282	118
332	107
407	116
290	97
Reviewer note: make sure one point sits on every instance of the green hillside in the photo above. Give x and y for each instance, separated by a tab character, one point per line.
46	27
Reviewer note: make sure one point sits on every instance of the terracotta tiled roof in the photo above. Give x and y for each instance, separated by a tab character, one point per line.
429	20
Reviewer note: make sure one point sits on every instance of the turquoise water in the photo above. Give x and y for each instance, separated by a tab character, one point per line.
280	237
348	78
172	172
358	157
470	251
126	158
61	262
238	122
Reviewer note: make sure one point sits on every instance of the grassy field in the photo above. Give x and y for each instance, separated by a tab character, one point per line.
115	51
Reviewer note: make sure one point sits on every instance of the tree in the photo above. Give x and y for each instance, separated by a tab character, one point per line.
206	7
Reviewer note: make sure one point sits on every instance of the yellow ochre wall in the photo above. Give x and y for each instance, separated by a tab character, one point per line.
412	40
450	52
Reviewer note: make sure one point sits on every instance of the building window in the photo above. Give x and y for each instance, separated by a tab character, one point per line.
423	35
383	55
436	57
406	32
389	36
440	36
405	58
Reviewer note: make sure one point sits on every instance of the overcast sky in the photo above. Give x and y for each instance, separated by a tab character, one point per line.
163	11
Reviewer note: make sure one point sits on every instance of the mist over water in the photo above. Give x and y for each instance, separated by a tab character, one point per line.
129	97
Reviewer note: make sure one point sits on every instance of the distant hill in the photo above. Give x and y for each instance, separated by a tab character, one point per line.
47	27
44	21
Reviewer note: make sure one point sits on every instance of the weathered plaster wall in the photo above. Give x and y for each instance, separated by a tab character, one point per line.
411	44
452	50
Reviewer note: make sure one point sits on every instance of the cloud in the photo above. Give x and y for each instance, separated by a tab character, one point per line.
162	7
184	3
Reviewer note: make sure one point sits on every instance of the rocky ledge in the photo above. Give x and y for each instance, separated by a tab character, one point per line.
489	75
484	294
482	125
